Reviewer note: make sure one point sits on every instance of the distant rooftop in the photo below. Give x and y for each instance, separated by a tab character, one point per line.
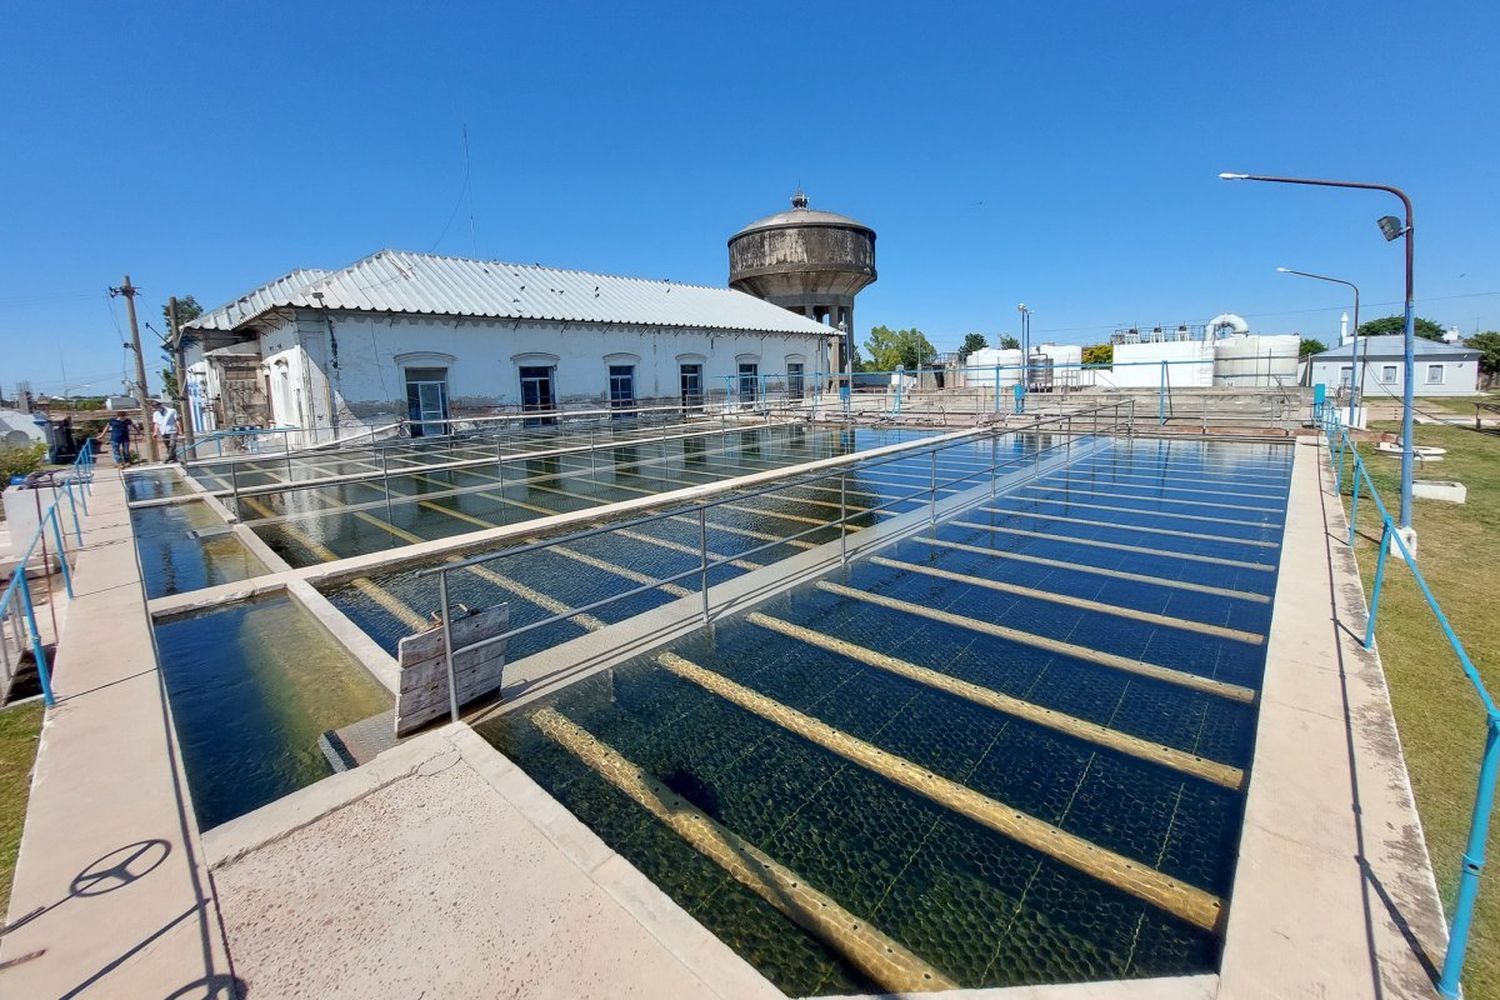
398	281
1386	348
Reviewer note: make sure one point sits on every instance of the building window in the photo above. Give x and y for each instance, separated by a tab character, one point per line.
1434	374
1346	376
749	381
622	387
1388	373
427	401
794	379
690	377
537	393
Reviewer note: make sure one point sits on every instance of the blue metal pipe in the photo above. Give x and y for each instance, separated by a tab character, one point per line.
37	650
1473	863
62	552
1385	548
1354	511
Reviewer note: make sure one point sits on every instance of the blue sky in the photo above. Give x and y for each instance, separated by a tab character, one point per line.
1064	155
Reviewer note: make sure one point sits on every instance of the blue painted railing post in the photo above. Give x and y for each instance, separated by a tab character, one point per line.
1473	862
1385	547
73	506
37	649
1354	510
62	551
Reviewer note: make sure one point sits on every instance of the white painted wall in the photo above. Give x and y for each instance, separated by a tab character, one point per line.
1460	378
347	370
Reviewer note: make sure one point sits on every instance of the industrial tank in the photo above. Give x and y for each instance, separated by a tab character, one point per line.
1065	361
1262	360
981	367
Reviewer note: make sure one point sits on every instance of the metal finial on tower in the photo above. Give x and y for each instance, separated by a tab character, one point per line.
799	199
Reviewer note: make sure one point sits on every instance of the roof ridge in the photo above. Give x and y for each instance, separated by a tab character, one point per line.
541	266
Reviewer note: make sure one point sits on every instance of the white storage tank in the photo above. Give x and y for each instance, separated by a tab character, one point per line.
982	363
1258	360
1190	364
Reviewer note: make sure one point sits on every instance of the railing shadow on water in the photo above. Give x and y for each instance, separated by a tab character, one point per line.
19	632
1349	468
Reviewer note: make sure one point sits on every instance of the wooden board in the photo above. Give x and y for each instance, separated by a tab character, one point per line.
423	695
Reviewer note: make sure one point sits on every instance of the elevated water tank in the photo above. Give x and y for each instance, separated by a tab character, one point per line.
1257	360
809	261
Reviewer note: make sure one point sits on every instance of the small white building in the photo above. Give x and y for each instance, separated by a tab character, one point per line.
1441	369
426	337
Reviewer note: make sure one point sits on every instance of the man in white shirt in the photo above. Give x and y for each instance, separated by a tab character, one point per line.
164	422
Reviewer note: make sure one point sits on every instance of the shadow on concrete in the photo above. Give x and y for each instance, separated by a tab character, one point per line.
1372	883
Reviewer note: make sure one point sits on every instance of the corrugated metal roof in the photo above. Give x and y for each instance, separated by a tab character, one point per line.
257	301
402	282
1387	347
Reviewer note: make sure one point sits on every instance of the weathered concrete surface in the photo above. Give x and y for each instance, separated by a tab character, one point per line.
441	869
1334	895
110	893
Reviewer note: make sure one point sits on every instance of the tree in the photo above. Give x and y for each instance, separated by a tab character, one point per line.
1009	343
1310	346
1388	326
906	348
188	310
1099	354
1488	344
972	342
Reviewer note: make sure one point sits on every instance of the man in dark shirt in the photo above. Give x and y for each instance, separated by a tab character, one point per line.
119	438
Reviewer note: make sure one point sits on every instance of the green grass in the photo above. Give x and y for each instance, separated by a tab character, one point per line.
19	728
1437	711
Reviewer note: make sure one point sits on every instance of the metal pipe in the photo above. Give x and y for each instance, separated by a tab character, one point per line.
1473	863
448	645
38	651
62	552
703	557
1385	548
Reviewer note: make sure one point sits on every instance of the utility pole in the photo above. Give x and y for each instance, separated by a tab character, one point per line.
128	290
179	369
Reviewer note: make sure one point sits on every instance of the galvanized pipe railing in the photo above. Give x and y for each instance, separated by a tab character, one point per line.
1342	445
842	522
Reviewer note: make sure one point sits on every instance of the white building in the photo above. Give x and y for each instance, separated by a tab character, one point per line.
1441	369
426	337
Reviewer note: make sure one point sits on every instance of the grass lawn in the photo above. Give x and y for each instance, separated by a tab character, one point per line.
1437	712
19	728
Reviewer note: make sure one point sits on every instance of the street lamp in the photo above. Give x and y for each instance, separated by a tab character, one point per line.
1025	347
1391	228
1356	369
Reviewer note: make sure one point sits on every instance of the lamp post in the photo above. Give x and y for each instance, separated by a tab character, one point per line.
1390	228
1356	370
1025	312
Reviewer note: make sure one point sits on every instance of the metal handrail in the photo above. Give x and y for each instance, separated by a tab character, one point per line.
1472	867
900	452
16	603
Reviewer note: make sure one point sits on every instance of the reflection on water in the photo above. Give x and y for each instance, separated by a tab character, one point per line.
187	547
152	484
252	687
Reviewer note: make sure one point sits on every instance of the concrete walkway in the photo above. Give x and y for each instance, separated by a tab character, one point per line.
110	897
1334	895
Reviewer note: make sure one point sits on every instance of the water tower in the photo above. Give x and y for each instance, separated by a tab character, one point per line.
808	261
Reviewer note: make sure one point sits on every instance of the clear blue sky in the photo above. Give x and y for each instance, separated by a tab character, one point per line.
1061	155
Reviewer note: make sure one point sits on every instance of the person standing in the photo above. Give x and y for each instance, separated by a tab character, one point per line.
164	422
118	429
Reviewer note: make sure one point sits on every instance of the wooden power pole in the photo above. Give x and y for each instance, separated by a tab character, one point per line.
179	368
128	290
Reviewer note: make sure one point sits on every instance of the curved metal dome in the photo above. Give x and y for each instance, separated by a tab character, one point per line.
800	215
